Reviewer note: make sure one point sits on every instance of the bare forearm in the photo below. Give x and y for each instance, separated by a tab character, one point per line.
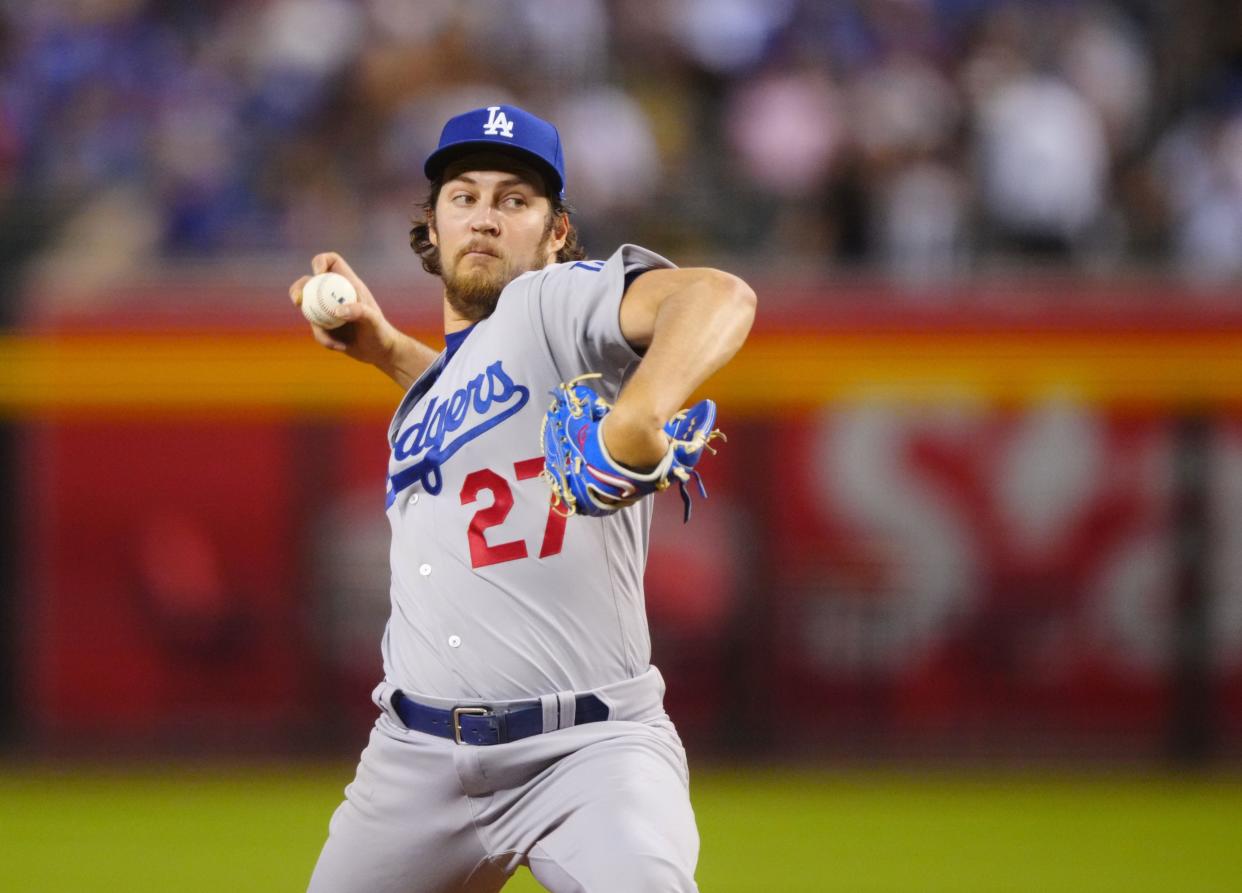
696	332
408	360
365	334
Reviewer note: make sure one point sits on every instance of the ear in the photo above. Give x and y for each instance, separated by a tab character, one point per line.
560	232
432	235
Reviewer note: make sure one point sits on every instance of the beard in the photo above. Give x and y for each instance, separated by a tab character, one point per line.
473	293
472	288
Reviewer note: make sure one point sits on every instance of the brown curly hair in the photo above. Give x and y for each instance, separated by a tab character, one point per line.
429	254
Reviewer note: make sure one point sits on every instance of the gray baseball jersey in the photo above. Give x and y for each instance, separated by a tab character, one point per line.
495	595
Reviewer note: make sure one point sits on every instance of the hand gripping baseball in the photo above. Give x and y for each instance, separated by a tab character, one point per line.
370	338
586	480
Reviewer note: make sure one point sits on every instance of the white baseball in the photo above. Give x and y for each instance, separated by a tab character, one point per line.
322	294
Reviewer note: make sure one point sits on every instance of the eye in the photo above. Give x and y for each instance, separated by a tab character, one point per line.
515	201
462	199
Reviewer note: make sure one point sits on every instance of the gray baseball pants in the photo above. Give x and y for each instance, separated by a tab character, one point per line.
598	807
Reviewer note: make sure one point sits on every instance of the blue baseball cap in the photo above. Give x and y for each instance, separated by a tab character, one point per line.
507	128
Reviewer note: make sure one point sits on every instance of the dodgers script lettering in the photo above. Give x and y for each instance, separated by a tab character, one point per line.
488	399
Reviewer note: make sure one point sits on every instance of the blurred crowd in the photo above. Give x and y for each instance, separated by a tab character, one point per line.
920	138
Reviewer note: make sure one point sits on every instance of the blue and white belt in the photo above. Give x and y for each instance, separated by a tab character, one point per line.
512	721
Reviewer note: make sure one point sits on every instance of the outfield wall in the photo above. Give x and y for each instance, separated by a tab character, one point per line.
1007	522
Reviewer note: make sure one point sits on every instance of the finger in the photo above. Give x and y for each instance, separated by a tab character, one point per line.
325	338
323	263
295	291
339	265
331	262
352	312
617	502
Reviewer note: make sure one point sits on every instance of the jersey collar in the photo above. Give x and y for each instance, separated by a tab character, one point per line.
454	340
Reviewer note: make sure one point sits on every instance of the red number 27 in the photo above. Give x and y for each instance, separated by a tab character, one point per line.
481	554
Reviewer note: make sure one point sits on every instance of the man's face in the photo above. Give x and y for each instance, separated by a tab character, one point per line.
490	226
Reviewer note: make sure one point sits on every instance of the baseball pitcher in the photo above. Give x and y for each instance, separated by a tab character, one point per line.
521	720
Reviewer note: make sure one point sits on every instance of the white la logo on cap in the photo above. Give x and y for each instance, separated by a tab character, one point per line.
497	124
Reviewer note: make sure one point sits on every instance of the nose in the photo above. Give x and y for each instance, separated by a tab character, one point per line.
485	220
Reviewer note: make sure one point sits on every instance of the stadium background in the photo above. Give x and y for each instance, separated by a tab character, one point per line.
964	610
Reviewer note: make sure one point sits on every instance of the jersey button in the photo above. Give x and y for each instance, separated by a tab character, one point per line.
414	499
454	641
425	569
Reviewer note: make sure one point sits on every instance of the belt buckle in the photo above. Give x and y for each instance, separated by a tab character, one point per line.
459	712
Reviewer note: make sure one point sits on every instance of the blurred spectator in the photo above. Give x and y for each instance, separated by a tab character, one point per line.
1104	60
1043	164
1201	161
726	36
614	166
907	119
922	213
786	130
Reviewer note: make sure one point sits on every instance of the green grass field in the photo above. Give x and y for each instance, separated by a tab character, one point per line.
234	829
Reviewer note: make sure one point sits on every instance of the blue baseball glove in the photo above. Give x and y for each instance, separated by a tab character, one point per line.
587	481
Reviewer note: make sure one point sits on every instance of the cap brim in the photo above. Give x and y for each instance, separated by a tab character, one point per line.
440	159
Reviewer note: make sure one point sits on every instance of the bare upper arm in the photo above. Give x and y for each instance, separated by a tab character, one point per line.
642	300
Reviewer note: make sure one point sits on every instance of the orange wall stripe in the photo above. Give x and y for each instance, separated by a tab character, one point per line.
267	373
